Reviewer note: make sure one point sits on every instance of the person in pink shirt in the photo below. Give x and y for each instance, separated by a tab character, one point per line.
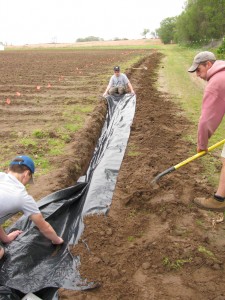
213	109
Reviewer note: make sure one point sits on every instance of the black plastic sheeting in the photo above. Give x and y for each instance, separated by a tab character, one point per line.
32	263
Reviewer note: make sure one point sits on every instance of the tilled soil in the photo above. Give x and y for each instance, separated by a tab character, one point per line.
155	243
38	90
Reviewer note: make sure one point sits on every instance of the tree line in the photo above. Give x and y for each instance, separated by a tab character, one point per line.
200	21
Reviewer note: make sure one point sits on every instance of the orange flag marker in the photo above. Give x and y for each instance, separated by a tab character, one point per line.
8	101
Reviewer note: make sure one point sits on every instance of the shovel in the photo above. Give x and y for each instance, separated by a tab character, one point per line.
186	161
143	68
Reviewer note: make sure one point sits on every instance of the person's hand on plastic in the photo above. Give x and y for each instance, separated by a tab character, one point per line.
59	241
13	235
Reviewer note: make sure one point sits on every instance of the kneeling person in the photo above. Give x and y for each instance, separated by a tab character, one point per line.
118	84
14	198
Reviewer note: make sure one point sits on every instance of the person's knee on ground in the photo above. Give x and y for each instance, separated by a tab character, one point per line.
121	90
113	90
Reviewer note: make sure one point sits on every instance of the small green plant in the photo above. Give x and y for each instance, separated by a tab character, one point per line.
132	150
132	213
65	137
29	142
199	223
55	151
133	153
177	264
77	118
85	109
206	252
56	146
72	127
130	238
38	134
43	164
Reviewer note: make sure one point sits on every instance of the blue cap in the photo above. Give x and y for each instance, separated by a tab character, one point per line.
24	161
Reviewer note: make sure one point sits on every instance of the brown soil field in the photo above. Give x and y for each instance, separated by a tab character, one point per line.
154	243
48	90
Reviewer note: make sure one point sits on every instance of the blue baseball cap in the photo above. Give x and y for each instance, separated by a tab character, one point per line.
24	160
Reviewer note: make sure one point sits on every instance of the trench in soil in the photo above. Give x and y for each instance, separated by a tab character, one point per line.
154	243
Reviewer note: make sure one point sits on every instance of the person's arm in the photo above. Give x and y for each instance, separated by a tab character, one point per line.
212	114
108	86
107	89
130	87
7	238
46	229
127	82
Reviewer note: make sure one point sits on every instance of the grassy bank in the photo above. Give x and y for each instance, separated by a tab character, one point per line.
187	90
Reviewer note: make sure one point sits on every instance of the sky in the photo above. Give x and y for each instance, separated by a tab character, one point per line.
64	21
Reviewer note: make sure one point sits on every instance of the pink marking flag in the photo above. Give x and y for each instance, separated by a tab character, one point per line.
8	101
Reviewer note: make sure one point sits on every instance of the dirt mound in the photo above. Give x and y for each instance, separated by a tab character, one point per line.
154	244
77	155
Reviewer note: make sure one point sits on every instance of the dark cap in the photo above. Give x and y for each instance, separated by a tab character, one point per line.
116	68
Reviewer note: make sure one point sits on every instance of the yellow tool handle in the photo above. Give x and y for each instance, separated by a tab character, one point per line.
186	161
171	169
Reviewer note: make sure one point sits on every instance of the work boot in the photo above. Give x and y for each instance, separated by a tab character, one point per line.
215	203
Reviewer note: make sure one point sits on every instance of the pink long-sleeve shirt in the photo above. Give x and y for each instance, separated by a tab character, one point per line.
213	103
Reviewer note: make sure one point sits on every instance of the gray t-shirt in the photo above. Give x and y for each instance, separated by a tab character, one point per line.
121	80
14	198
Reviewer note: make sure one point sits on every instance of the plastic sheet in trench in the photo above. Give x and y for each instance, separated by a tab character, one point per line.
32	263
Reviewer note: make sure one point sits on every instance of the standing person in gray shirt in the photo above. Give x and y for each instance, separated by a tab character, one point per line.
119	83
14	198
